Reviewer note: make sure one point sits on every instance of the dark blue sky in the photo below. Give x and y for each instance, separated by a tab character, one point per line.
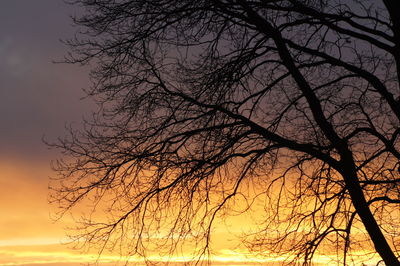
37	97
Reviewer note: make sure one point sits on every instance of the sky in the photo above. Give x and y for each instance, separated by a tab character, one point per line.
38	98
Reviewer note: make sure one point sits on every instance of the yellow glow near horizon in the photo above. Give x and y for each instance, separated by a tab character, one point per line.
53	254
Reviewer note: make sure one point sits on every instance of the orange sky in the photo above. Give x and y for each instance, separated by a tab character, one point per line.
28	236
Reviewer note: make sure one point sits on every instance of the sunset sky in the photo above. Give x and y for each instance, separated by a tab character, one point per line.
38	99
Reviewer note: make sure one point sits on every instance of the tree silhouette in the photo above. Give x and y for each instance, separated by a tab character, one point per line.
202	101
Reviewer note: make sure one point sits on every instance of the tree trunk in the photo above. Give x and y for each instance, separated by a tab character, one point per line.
363	211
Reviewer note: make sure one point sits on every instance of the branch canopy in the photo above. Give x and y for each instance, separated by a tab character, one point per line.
210	108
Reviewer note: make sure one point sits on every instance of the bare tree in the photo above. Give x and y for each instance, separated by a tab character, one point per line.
202	101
